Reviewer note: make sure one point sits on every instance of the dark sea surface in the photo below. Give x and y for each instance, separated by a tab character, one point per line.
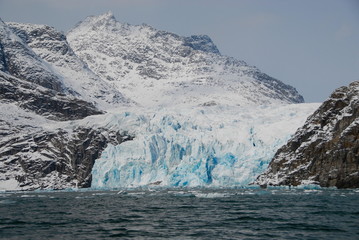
181	214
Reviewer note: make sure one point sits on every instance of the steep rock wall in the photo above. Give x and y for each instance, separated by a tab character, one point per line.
325	150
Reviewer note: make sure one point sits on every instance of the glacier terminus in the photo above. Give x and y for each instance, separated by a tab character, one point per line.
218	146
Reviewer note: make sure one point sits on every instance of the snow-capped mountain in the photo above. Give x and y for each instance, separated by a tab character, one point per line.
158	68
325	150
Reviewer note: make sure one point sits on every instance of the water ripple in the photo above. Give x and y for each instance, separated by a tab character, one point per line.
181	214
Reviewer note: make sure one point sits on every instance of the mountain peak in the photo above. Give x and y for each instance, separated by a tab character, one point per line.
104	20
108	15
201	42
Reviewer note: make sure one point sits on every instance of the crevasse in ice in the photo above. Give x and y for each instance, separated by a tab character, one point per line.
214	147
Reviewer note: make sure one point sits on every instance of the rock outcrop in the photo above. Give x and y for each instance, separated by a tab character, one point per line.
325	150
55	159
43	101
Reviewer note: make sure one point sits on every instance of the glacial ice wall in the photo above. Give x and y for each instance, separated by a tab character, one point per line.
209	147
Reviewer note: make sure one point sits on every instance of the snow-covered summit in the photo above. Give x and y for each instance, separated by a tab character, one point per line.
159	68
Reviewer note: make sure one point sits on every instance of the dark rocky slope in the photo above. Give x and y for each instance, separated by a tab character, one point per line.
53	159
325	150
43	101
38	147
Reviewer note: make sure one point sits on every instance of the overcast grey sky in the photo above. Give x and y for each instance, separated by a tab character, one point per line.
312	45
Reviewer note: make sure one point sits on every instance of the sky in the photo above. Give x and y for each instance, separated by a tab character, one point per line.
312	45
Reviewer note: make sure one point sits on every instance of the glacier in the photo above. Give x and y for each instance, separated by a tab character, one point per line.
216	146
167	110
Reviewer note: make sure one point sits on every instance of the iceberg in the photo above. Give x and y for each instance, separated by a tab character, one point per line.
216	146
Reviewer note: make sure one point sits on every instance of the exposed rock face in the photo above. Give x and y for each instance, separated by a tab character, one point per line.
202	43
325	150
53	159
43	101
3	65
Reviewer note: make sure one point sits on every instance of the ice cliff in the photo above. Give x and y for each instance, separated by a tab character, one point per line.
213	146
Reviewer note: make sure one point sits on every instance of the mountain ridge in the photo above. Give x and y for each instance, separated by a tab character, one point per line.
140	60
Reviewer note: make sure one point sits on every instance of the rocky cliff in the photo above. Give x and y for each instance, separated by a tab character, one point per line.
325	150
51	159
43	101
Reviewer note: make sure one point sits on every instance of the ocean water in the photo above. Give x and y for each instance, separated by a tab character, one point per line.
181	214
